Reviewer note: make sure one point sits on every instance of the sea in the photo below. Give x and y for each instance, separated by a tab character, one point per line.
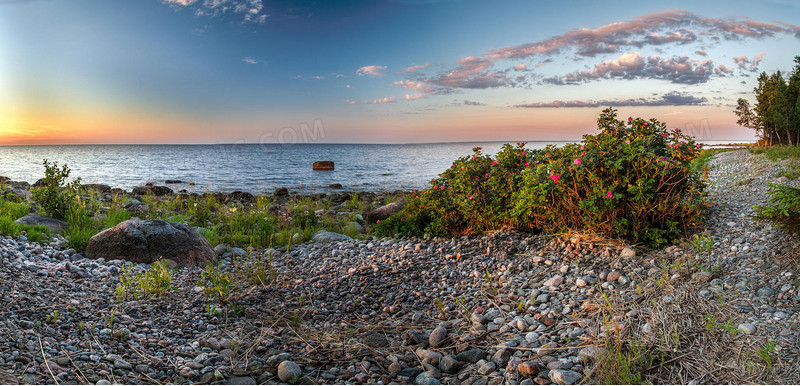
253	168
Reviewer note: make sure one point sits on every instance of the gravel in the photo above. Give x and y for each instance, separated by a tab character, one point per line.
508	307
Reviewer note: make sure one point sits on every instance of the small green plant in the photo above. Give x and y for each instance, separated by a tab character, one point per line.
53	317
126	289
157	280
703	243
711	322
783	209
81	326
213	310
767	353
255	270
215	282
109	318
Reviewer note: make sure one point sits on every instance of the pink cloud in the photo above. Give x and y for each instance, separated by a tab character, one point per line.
634	65
411	97
416	68
654	29
371	70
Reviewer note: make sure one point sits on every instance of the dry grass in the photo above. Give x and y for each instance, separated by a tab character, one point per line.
690	339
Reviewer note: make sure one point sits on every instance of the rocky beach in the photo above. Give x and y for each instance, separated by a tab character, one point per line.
504	308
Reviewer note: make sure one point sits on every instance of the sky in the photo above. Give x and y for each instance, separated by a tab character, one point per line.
398	71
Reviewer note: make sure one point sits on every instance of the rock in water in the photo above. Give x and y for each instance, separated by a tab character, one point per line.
322	165
55	226
385	211
327	237
289	371
148	241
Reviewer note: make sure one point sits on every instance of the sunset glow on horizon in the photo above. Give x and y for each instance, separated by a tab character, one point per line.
395	71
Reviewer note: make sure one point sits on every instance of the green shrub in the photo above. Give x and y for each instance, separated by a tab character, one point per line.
783	208
79	237
114	217
57	195
633	180
157	280
215	282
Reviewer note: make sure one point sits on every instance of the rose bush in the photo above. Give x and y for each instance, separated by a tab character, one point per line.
632	180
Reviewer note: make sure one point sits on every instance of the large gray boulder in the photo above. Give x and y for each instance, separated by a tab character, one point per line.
385	211
55	226
324	236
148	241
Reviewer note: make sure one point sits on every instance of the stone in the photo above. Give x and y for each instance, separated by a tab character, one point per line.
765	292
613	276
747	328
702	276
148	241
472	355
627	253
592	353
154	190
238	252
323	236
240	196
122	364
102	188
241	381
449	364
437	337
385	211
322	165
432	356
335	186
55	226
783	180
424	379
289	371
528	368
220	249
554	281
564	377
281	192
487	368
376	340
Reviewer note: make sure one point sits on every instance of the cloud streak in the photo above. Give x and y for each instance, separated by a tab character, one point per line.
371	70
391	99
669	99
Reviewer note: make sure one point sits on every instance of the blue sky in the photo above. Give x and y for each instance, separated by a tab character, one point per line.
213	71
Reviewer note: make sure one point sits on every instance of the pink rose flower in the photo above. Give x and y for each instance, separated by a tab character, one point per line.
609	195
555	177
577	161
628	141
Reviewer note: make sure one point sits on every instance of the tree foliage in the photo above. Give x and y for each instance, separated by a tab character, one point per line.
776	114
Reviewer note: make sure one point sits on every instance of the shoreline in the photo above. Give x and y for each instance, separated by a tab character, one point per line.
507	307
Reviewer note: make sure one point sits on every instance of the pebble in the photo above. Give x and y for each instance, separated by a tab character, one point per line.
289	371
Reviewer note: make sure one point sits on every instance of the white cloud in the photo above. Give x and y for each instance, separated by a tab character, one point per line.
249	60
371	70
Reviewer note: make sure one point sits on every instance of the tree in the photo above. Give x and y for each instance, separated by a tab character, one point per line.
776	114
747	118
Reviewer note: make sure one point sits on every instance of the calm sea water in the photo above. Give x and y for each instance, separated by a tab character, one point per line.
254	168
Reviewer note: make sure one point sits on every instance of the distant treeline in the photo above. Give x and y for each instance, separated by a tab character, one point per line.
776	115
